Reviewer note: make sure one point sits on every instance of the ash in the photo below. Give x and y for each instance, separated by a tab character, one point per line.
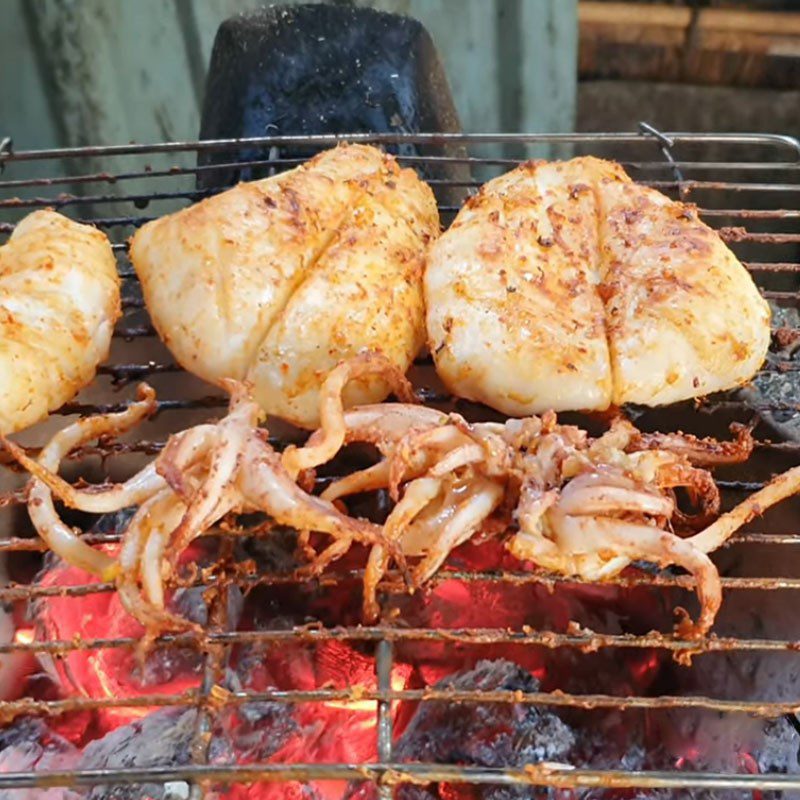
29	745
779	388
162	739
248	733
486	734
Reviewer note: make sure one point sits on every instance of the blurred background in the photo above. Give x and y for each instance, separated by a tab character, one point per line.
80	72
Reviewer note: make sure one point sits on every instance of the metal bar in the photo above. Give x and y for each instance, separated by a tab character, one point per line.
203	728
723	186
777	266
383	698
15	593
733	235
211	401
750	213
328	140
112	450
124	331
666	145
176	171
739	235
472	636
686	186
128	371
562	776
17	543
138	370
65	200
385	637
429	396
36	545
704	406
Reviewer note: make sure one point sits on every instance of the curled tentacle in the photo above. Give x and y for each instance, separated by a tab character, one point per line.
700	452
60	538
332	408
418	494
212	499
702	490
95	499
483	498
595	494
652	544
383	424
148	516
180	452
420	450
366	480
461	456
152	558
716	534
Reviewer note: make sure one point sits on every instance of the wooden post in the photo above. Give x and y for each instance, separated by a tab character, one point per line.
512	64
722	46
537	45
115	70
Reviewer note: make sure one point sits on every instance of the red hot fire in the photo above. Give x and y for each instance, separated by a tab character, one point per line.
343	730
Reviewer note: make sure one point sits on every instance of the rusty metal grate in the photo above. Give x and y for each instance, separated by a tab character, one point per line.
748	186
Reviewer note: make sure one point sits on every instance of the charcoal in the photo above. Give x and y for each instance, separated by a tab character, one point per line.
321	69
779	387
162	739
252	732
29	745
608	739
736	742
484	734
114	523
191	604
118	670
720	743
241	734
273	553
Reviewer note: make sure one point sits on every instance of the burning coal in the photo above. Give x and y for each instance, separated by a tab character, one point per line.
115	672
486	735
343	730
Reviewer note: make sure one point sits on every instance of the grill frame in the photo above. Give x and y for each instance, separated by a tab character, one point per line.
671	175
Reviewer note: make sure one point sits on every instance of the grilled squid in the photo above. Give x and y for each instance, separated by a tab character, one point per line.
575	505
59	302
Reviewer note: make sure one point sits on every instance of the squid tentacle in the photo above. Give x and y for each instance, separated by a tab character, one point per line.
331	412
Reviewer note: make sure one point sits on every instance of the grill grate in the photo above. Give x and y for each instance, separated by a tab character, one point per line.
119	188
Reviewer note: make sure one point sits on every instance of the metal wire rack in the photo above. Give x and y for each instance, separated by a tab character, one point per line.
747	185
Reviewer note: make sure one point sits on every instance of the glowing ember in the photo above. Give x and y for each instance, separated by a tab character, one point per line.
344	730
397	682
105	672
24	636
114	673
